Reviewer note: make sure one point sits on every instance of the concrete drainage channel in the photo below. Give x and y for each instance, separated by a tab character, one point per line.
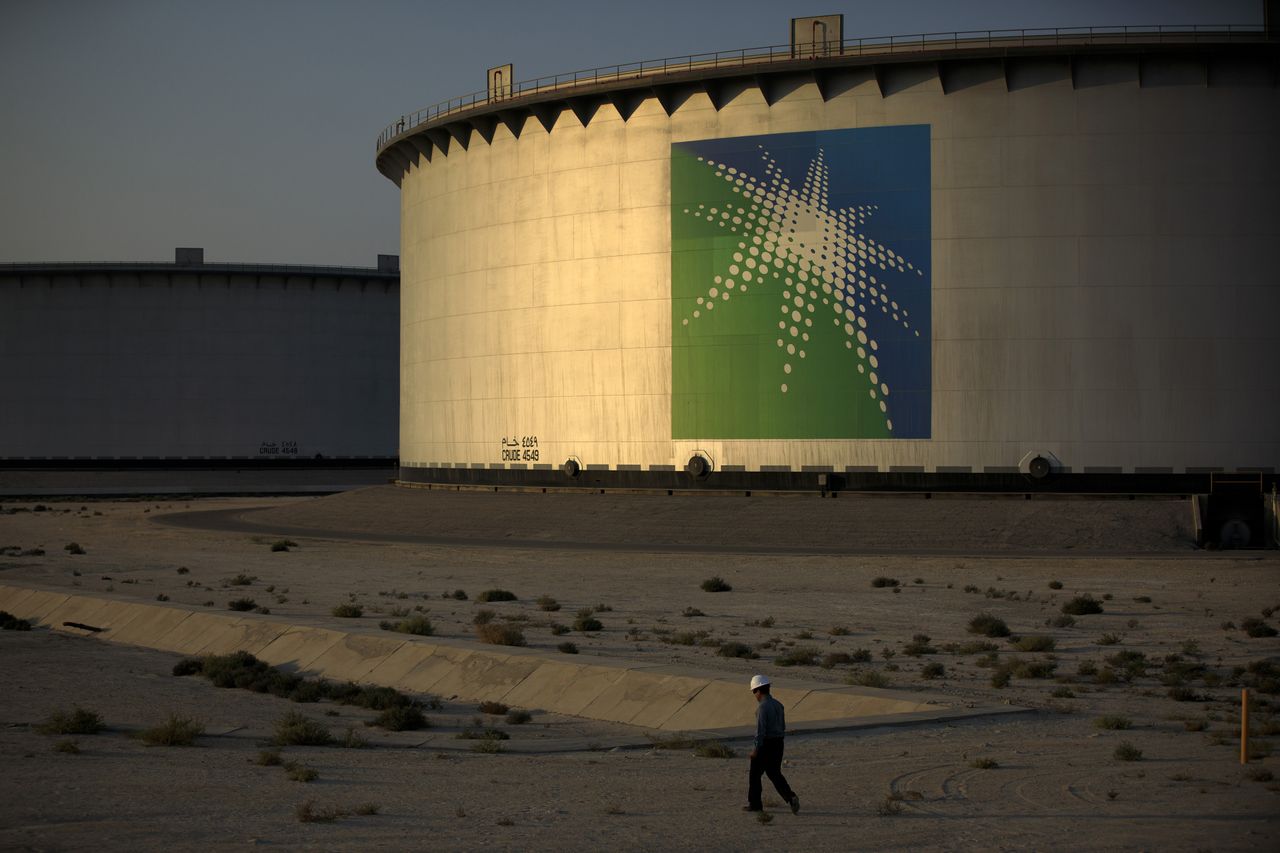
655	697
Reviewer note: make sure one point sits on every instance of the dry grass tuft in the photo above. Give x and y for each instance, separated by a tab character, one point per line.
174	731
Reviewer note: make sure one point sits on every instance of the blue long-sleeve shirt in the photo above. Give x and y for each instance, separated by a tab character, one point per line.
771	720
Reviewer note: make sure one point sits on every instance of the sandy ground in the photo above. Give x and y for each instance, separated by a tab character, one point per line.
1057	784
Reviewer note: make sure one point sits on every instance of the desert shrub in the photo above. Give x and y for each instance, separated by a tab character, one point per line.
839	631
518	717
1178	672
1082	605
268	758
558	630
971	647
401	718
585	621
347	611
160	596
690	612
175	731
799	656
1184	694
9	622
834	659
1033	668
419	625
1127	752
715	584
300	772
1262	675
241	604
456	595
296	729
868	678
890	806
567	648
1063	621
1142	599
736	650
243	580
547	603
984	764
282	545
495	708
933	670
1063	693
880	582
496	595
483	617
1055	584
1106	675
352	739
1112	722
73	548
988	625
714	749
366	809
1255	627
78	721
918	646
1034	644
500	634
309	812
68	746
1109	640
804	635
243	670
1004	672
860	656
1131	664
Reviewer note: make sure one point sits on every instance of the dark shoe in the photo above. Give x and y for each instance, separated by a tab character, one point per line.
750	808
795	804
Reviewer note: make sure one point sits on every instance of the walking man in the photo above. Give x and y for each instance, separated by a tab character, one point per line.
766	756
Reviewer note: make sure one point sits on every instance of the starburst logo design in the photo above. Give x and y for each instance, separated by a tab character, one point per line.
801	311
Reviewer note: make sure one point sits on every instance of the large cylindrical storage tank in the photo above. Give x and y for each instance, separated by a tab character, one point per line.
149	364
963	264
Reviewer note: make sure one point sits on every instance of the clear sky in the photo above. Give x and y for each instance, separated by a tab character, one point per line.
133	126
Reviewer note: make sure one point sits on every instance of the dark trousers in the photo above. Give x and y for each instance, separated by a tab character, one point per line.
768	762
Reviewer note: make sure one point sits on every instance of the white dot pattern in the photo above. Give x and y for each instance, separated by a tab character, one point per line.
812	256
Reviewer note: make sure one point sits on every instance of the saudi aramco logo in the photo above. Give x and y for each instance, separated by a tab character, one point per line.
800	285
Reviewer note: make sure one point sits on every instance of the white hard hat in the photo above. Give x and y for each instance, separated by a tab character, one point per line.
758	681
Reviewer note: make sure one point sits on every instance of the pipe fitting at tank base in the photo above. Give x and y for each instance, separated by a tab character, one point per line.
698	467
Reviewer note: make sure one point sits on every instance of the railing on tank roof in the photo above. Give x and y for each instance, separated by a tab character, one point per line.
867	46
170	266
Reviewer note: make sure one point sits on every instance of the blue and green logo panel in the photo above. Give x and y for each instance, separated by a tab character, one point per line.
800	285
